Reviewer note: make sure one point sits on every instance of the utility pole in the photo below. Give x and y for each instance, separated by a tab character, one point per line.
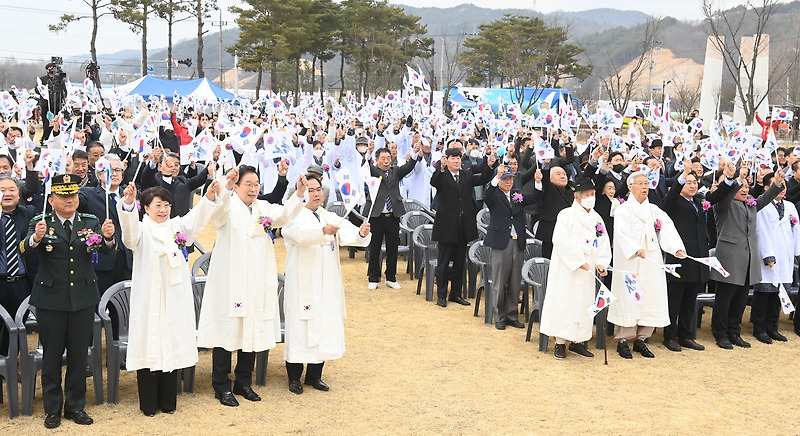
236	74
220	23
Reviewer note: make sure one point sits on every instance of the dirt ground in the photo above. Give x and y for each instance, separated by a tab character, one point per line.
414	368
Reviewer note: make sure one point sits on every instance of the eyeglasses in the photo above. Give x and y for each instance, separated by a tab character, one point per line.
116	171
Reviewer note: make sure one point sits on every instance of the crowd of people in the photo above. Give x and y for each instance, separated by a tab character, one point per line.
109	196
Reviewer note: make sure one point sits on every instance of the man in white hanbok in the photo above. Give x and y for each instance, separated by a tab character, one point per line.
778	244
240	303
580	247
641	232
314	294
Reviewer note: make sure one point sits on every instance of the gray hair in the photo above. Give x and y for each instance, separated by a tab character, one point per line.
632	178
111	158
13	179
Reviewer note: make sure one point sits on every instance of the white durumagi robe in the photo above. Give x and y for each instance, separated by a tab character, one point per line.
570	289
162	322
240	301
779	239
634	230
314	294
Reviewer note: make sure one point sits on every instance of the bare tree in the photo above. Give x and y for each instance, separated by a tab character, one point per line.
686	94
450	72
620	81
99	9
739	60
201	11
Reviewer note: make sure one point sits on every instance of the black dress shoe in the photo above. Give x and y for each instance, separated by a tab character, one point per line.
441	302
499	325
672	345
763	337
52	420
640	347
561	351
516	324
227	399
295	387
739	342
247	392
167	411
579	348
777	336
460	301
318	384
79	417
690	343
623	350
725	343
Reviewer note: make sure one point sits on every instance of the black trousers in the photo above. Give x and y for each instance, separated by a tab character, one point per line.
544	233
682	297
59	331
766	311
157	390
221	367
729	304
313	372
457	253
383	228
11	296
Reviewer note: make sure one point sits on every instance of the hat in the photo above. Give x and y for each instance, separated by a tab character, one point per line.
506	174
656	143
583	184
65	184
313	168
362	140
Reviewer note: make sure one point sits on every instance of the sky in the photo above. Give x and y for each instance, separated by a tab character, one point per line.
26	38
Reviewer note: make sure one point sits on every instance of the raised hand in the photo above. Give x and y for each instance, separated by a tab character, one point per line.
129	193
213	190
301	186
107	229
232	178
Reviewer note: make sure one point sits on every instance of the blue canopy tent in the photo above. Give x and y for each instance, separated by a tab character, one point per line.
456	97
198	89
506	96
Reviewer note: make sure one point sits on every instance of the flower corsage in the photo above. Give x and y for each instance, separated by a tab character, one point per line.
793	220
517	198
93	243
706	205
657	225
751	202
181	240
266	223
599	230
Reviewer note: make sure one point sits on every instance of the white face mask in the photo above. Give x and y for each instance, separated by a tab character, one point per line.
588	203
475	154
19	142
318	153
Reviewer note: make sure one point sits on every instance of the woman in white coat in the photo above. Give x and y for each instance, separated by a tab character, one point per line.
314	294
162	322
641	231
240	302
580	247
778	244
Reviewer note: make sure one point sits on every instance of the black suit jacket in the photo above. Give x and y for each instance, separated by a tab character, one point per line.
503	215
22	216
455	201
93	201
181	188
390	186
691	225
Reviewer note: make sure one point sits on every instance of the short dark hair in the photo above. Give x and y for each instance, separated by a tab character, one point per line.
80	154
151	193
783	149
93	144
452	152
795	166
382	150
647	159
245	170
614	154
7	157
15	128
450	144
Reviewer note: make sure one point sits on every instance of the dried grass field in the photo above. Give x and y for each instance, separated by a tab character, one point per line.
414	368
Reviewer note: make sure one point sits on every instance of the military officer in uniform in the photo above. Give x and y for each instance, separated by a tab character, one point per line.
65	295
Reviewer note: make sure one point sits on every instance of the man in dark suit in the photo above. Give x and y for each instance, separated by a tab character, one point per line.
169	178
506	237
15	271
556	195
455	223
385	217
65	295
737	251
114	267
686	210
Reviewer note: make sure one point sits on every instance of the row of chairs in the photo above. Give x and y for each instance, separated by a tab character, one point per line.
118	298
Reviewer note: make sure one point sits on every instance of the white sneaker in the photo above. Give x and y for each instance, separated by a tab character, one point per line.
372	286
393	285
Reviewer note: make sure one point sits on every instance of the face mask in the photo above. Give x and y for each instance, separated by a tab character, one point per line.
318	153
475	154
588	202
362	149
618	168
19	142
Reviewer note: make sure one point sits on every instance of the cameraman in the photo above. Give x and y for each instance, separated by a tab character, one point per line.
54	80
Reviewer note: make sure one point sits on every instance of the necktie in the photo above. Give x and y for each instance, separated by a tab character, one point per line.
696	210
388	197
457	178
114	198
68	227
779	206
12	253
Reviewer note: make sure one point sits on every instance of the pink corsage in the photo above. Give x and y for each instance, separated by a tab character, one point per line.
181	240
600	230
793	220
751	202
621	200
93	242
517	198
326	167
706	205
266	223
657	225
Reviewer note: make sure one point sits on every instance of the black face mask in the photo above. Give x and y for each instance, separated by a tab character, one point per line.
618	168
